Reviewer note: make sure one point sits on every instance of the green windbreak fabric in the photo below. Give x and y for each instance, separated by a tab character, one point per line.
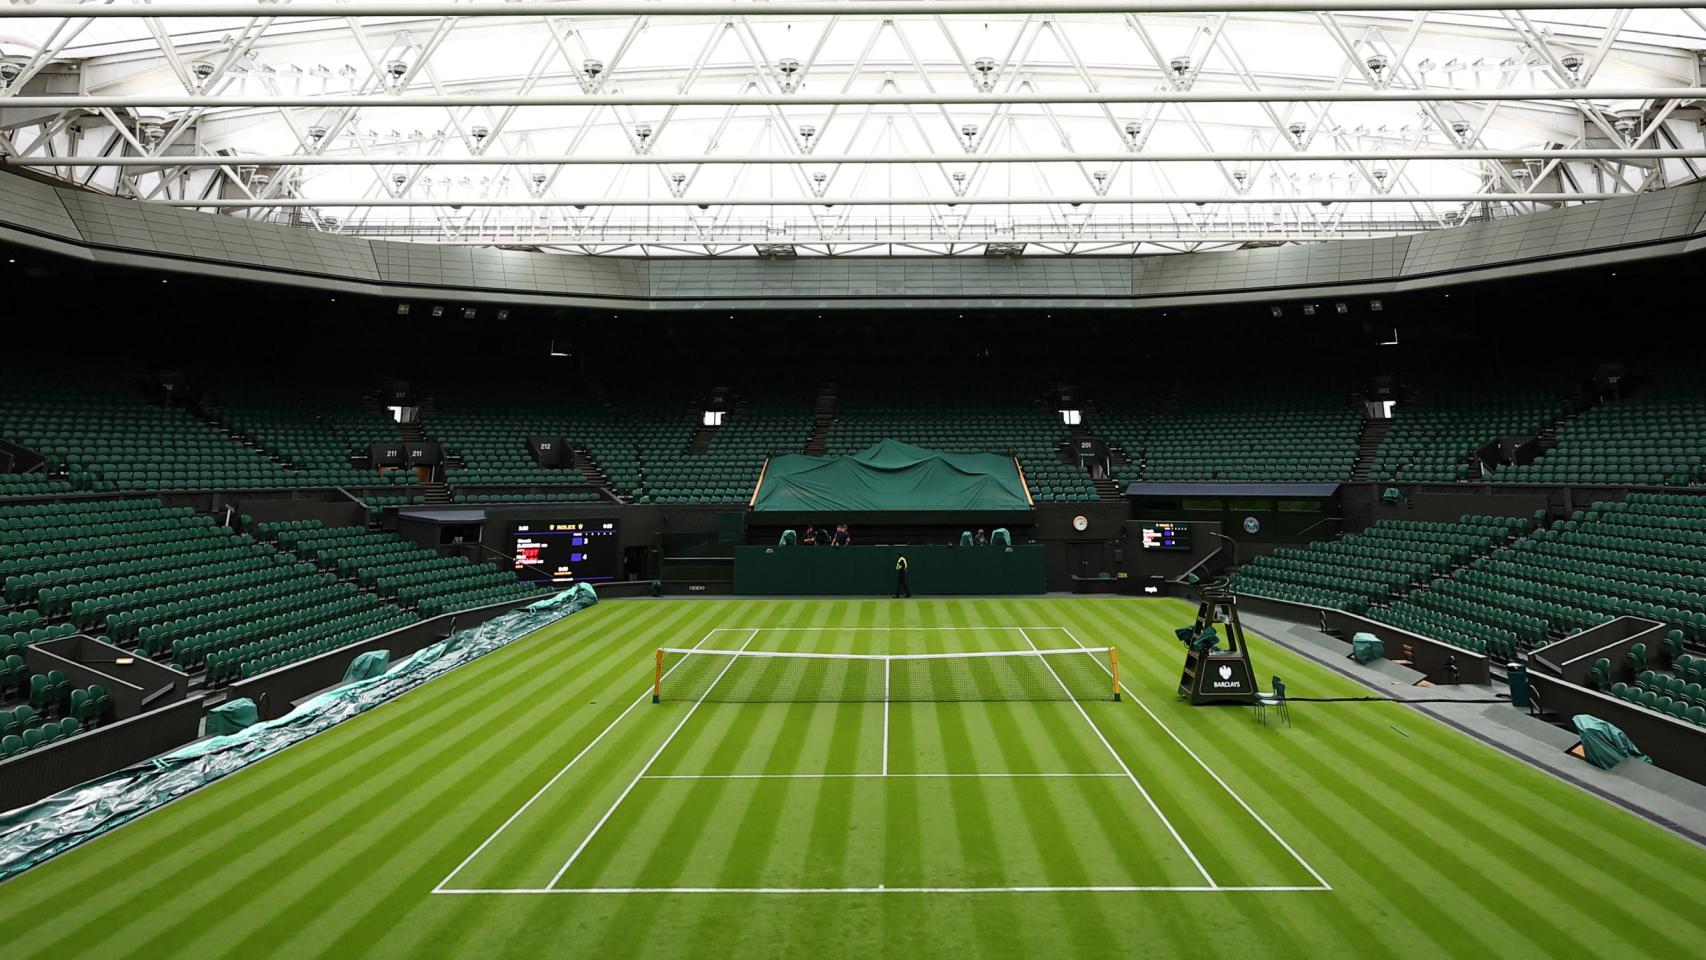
892	476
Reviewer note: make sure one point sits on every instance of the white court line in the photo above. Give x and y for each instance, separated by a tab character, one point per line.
865	776
559	775
862	629
1224	785
898	629
887	890
886	664
909	657
654	759
1121	761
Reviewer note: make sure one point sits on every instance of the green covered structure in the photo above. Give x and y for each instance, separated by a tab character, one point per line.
892	477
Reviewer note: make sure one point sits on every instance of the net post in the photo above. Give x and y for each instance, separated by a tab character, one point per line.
1114	668
657	679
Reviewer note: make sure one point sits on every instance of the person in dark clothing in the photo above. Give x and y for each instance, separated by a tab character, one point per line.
980	539
823	537
900	587
811	538
842	536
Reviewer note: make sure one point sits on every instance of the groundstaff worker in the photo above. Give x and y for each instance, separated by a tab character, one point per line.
900	587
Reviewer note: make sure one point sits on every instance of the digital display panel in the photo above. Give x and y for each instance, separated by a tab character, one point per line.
567	551
1166	535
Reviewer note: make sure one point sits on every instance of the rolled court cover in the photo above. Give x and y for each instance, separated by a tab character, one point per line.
42	830
892	476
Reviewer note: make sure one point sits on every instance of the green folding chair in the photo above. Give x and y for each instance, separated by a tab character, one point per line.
1275	699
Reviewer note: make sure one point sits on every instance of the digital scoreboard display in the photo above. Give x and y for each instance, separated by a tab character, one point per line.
567	551
1166	535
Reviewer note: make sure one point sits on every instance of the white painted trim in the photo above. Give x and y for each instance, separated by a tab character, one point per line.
1035	651
887	889
867	776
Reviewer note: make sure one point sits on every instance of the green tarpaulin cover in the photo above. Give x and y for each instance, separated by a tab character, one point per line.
1205	641
892	476
1604	745
31	834
1366	647
368	665
231	717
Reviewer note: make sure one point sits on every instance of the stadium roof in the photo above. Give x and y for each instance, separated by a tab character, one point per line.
902	127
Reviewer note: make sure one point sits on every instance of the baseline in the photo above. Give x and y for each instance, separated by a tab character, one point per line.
884	890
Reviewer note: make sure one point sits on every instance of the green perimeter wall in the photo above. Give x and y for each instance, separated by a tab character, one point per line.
868	571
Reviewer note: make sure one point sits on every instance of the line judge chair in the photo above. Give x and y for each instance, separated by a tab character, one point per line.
1274	699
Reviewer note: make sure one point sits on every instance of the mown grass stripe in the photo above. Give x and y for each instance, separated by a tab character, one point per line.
330	841
218	819
1428	839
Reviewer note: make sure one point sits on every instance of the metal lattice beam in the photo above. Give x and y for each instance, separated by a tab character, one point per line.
1165	96
798	8
1632	154
879	201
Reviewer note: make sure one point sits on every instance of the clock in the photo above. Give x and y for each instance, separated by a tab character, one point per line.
1081	523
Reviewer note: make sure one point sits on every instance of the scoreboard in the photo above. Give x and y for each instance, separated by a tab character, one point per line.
566	551
1166	535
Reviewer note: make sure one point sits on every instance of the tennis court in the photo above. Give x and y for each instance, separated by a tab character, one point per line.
754	816
931	760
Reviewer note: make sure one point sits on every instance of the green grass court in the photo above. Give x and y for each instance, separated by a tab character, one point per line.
538	803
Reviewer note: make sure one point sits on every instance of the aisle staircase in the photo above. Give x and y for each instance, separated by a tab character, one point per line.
435	491
580	458
823	414
704	433
1369	438
206	416
700	442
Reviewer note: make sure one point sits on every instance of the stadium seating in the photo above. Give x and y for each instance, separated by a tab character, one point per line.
53	712
99	430
1254	433
485	439
1358	570
1656	437
176	586
726	471
1643	557
1433	436
551	496
412	575
313	430
1678	692
18	486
